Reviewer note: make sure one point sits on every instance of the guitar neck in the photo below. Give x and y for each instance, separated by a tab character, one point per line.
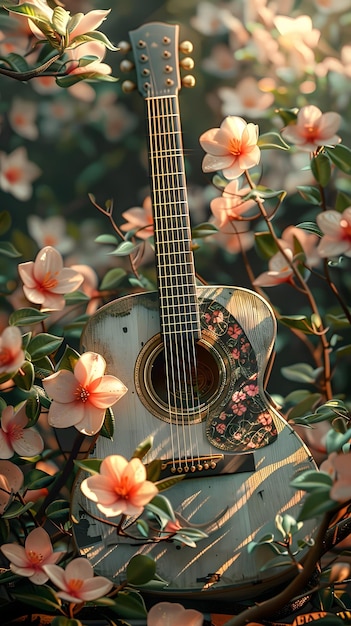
173	245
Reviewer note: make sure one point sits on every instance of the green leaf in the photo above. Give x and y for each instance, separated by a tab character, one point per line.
204	230
140	570
42	597
341	157
95	35
33	409
60	19
305	404
37	479
8	249
27	317
129	605
315	504
76	297
108	427
272	140
161	506
321	169
266	245
301	372
153	470
143	448
16	62
58	510
5	222
337	322
310	194
125	249
310	227
43	344
92	75
312	480
112	278
24	378
68	360
109	239
92	466
298	322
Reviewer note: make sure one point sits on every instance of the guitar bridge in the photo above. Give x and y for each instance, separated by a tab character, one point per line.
207	466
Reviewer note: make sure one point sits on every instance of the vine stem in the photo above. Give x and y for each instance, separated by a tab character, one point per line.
298	585
305	290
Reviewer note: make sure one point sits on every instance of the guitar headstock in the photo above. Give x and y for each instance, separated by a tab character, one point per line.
156	60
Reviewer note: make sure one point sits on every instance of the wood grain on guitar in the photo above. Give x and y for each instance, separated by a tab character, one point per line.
194	359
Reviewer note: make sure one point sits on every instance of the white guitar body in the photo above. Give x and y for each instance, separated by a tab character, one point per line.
195	362
246	502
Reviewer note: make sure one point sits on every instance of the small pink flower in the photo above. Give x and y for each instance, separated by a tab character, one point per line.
313	129
337	233
140	219
22	118
80	398
120	488
231	148
30	560
11	481
279	271
230	205
77	582
15	437
338	467
46	280
17	173
173	614
11	353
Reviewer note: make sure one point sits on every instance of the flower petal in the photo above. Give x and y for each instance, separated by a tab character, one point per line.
89	367
109	389
61	386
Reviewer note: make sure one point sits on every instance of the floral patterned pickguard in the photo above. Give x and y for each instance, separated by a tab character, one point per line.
246	421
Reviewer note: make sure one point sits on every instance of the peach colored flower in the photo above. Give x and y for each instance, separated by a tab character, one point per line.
51	231
22	118
15	437
231	148
230	205
30	560
338	467
337	233
77	582
173	614
80	398
11	481
11	353
46	280
246	99
120	487
279	271
140	219
17	173
313	129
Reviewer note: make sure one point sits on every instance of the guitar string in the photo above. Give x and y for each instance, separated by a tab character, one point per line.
189	358
176	183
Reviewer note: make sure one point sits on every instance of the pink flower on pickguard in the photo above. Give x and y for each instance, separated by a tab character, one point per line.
77	582
251	390
11	353
80	398
313	129
45	281
232	148
120	488
221	428
30	560
15	437
239	409
173	614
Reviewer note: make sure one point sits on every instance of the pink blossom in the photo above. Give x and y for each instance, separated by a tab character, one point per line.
11	353
51	231
246	99
11	481
338	467
120	488
280	271
80	398
15	437
77	582
140	219
173	614
30	560
17	173
231	148
22	118
313	129
46	280
337	233
230	205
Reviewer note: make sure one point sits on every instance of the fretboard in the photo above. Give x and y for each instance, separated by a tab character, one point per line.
174	258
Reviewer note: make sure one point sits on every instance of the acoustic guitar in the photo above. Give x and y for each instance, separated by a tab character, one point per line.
195	361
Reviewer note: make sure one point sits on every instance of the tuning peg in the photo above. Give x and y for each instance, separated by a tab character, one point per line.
126	66
186	47
188	81
124	47
187	63
128	86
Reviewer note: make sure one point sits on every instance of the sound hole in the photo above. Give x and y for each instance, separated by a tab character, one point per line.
182	388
